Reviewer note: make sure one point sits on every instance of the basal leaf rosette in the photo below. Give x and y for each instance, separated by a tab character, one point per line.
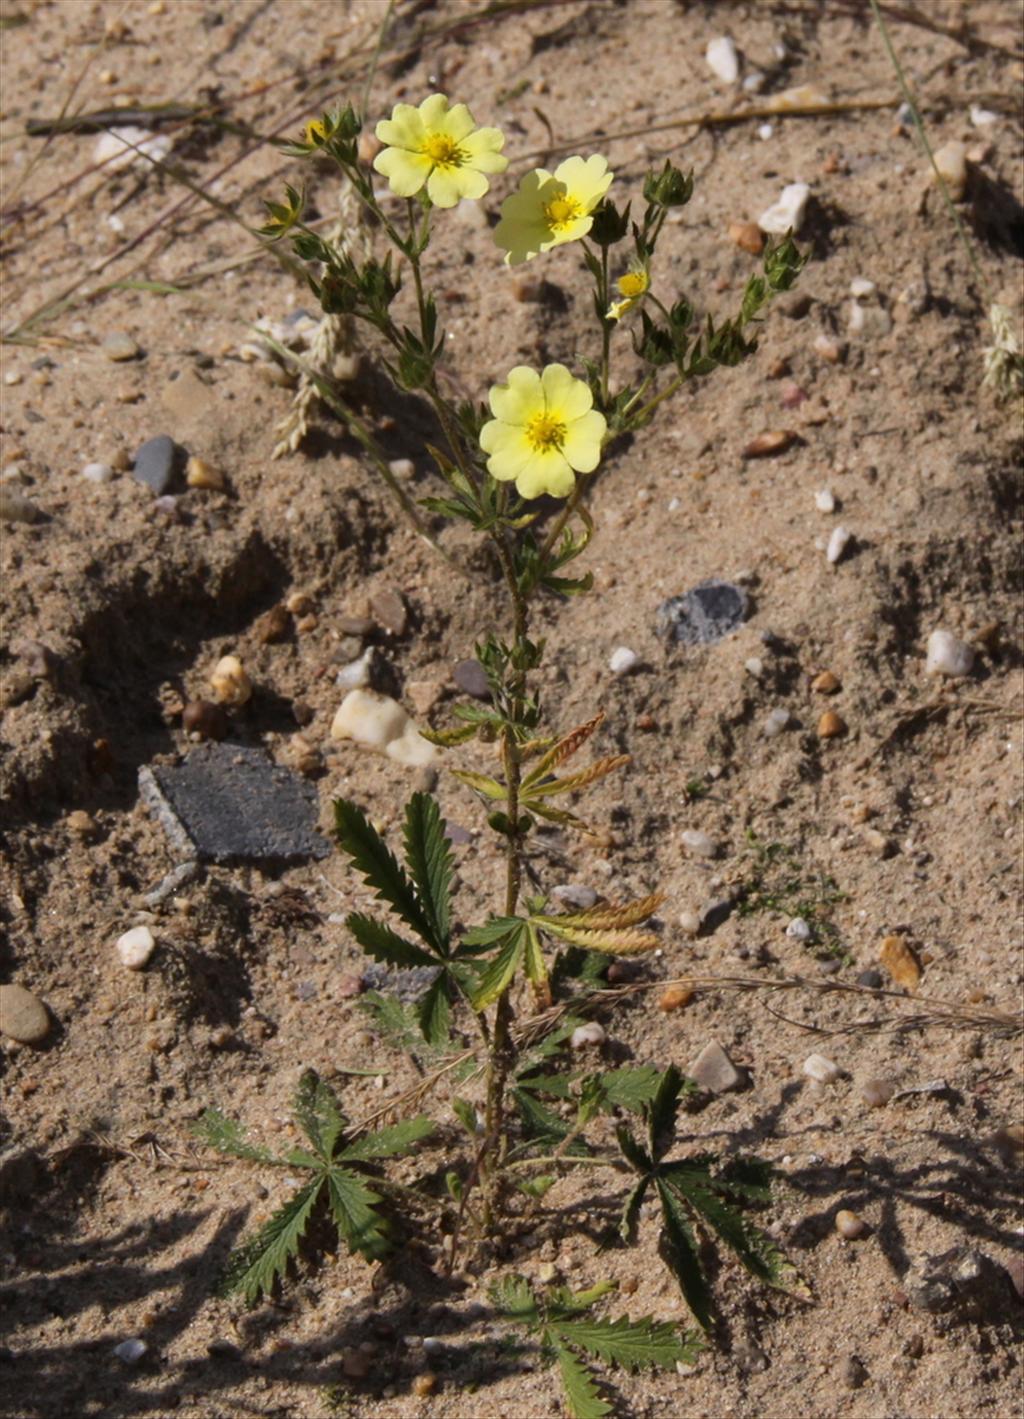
551	208
440	148
545	430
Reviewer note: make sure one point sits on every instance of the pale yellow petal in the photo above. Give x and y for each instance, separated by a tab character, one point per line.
566	398
404	129
482	150
582	446
510	460
586	180
519	398
457	123
433	111
448	186
406	172
546	473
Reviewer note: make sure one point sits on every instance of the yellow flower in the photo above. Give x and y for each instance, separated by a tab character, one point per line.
633	286
544	431
438	146
316	132
551	208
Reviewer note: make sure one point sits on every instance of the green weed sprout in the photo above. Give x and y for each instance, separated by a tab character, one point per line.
542	432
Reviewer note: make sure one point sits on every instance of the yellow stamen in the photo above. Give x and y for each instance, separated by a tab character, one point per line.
561	212
443	151
634	283
544	433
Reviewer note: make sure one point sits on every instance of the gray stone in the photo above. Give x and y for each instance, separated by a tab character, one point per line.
470	677
854	1373
871	979
963	1282
390	611
22	1016
15	507
408	986
158	462
714	1071
704	615
119	347
575	898
228	803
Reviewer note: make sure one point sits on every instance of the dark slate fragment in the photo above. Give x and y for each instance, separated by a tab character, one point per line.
158	463
471	678
704	615
230	803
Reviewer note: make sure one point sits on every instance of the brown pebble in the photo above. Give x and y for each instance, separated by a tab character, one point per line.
302	713
390	611
273	625
629	1286
748	236
350	986
675	997
300	603
826	683
1010	1138
200	474
779	369
876	1092
355	625
204	718
647	723
308	623
769	443
424	1384
831	725
900	961
81	824
849	1225
877	842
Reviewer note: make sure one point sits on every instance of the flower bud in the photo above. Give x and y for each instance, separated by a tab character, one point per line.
668	188
609	225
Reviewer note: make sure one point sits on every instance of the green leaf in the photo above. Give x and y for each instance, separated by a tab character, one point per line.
633	1153
371	855
379	941
633	1344
661	1115
466	1114
581	1392
434	1014
318	1114
493	931
629	1088
227	1136
499	973
679	1252
256	1265
351	1203
539	1122
448	738
429	858
388	1142
631	1212
537	1187
693	1182
513	1297
481	783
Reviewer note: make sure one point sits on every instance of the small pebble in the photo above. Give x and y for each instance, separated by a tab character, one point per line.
204	718
722	59
200	474
623	660
82	824
358	674
156	463
471	678
868	322
820	1068
390	611
22	1016
799	930
900	961
828	349
826	683
273	625
871	980
674	997
689	923
768	444
714	1071
825	500
379	722
948	656
15	507
951	163
748	236
131	1351
876	1092
424	1384
698	843
774	723
831	725
98	472
754	666
135	947
788	212
119	347
589	1034
576	898
861	286
855	1376
837	544
229	681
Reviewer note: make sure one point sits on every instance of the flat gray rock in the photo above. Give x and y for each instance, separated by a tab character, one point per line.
704	615
22	1016
229	803
158	462
714	1071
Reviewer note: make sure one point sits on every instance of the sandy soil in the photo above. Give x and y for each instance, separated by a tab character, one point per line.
116	1222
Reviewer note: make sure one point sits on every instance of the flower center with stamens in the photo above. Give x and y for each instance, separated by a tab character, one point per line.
561	212
443	151
634	283
545	433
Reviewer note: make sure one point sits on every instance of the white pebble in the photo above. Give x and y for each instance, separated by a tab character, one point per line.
379	722
120	146
403	467
872	322
788	212
838	543
821	1068
355	675
775	722
700	844
799	930
948	656
12	377
764	131
861	286
135	947
623	660
951	163
230	684
583	1035
754	666
825	500
983	117
98	472
722	59
131	1351
689	923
